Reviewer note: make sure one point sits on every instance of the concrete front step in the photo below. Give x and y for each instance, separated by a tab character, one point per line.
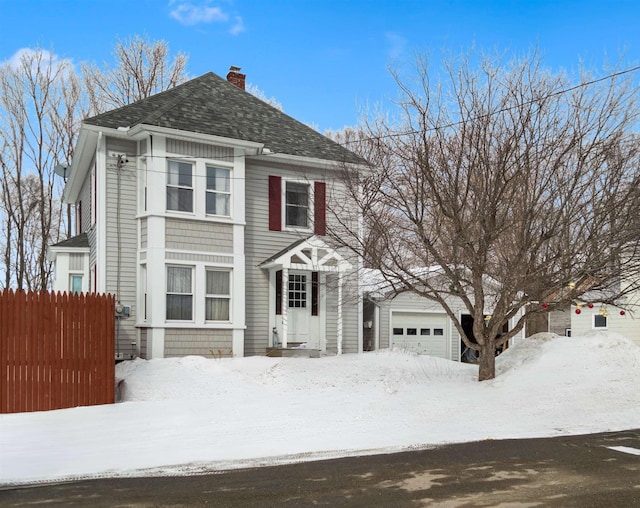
293	352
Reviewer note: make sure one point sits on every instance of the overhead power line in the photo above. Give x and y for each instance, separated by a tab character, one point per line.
439	127
498	111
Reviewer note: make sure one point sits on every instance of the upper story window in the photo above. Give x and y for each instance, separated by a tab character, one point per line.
218	198
180	186
297	205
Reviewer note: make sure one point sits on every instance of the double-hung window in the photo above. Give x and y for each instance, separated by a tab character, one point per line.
218	201
297	205
179	293
180	186
218	297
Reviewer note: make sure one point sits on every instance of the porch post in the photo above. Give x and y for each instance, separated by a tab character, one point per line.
285	306
339	327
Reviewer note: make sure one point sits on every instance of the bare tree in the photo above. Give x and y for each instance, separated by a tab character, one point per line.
142	69
65	122
42	102
257	92
35	103
519	187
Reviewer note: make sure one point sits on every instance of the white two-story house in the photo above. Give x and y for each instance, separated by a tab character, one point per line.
205	210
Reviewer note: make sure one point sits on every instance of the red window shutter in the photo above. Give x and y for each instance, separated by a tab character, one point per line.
320	208
275	203
314	294
279	292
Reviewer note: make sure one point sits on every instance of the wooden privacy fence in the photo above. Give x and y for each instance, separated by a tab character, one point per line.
56	350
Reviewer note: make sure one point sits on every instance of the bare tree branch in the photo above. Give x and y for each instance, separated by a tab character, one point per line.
517	186
142	69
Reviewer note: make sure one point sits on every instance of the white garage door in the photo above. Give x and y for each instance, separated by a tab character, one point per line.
424	333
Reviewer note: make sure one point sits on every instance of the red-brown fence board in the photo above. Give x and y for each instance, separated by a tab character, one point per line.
56	350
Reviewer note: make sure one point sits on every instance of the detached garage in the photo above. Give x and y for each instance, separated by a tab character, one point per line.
404	320
407	321
422	332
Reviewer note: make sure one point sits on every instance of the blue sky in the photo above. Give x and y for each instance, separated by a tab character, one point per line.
325	61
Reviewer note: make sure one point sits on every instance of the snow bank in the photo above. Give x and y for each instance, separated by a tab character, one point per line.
193	414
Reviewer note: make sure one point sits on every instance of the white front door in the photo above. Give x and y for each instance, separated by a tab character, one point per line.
299	311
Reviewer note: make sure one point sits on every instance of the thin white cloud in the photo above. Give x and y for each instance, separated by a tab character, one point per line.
238	27
14	61
397	44
190	14
33	55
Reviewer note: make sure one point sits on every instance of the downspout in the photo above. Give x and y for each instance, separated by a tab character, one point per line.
285	308
339	330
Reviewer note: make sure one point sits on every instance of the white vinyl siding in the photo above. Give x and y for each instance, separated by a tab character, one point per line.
121	238
618	320
201	150
202	236
208	343
262	243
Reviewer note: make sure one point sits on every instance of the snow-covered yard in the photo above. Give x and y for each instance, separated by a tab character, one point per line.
192	414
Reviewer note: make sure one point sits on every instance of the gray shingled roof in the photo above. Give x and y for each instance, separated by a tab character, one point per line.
211	105
80	240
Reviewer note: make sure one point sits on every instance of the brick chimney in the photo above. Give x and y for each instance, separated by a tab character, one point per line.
234	77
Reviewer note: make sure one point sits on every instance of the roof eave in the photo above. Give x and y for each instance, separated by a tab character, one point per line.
84	153
300	160
53	251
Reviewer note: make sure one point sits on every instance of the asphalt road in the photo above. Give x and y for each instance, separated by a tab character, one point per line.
579	471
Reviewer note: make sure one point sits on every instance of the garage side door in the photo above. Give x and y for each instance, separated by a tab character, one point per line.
424	333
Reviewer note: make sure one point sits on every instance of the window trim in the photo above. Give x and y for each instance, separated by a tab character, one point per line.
606	322
310	205
72	276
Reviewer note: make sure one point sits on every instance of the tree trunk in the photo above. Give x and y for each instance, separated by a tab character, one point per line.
487	362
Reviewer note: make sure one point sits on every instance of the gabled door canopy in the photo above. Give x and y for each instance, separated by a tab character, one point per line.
311	254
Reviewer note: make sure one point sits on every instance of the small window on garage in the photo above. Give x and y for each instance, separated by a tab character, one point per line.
438	331
425	331
412	331
398	331
599	321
